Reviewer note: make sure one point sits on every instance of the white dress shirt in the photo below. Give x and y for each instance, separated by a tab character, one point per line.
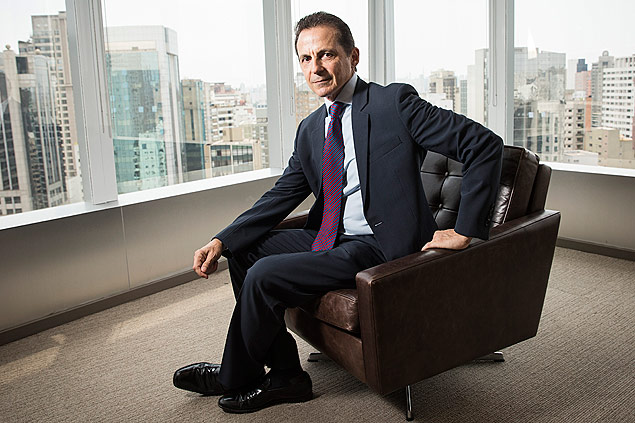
354	221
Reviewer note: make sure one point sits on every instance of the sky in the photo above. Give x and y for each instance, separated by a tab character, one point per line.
222	41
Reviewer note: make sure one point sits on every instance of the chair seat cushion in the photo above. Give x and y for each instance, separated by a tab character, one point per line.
337	308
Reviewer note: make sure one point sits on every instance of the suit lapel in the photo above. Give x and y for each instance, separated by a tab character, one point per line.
361	123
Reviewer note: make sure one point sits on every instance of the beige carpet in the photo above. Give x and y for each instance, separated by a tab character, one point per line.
117	365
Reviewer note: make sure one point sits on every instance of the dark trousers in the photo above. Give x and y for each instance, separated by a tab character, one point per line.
277	272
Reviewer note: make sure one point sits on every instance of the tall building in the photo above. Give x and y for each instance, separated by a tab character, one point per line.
597	76
444	82
146	108
233	154
539	93
462	103
194	124
540	75
612	148
50	39
618	96
236	131
538	127
576	121
31	164
573	67
583	83
222	104
258	132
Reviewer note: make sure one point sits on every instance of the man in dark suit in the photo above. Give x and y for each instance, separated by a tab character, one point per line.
360	155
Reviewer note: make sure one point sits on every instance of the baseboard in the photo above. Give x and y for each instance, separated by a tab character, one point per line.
591	247
101	304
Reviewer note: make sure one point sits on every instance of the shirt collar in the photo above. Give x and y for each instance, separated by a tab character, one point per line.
346	95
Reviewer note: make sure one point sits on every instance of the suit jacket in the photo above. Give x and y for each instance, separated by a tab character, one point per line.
393	128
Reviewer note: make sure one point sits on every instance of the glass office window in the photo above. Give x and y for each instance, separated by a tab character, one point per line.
441	50
187	90
355	14
39	154
574	82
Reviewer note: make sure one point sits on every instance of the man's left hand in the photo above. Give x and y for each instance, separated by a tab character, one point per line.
448	239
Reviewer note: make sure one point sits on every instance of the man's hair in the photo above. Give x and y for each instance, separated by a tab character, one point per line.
344	35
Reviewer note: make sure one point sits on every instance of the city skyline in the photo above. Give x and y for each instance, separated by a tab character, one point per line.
447	43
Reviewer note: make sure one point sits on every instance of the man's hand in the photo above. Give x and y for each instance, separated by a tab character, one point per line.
448	239
206	258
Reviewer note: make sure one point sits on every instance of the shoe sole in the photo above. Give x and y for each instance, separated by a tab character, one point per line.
303	398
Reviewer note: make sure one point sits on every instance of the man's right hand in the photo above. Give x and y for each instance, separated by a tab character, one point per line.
206	258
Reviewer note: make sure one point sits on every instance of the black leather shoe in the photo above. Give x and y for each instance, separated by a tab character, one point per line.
266	393
199	377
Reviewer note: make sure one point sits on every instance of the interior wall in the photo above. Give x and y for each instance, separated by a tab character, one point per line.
596	209
57	265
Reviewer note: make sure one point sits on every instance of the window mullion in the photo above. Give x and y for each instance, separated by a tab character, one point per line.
88	67
381	40
279	69
500	104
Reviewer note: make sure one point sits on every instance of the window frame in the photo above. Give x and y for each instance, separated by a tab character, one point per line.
87	57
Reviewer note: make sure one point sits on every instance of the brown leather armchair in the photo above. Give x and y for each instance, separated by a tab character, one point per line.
419	315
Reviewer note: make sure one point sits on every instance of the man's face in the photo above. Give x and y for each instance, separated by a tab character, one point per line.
325	64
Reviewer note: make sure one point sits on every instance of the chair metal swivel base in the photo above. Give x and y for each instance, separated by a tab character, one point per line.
314	357
497	357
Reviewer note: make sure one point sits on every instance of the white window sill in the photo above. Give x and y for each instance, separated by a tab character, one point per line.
597	170
68	210
60	212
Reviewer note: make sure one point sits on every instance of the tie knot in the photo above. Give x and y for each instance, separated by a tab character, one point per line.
337	109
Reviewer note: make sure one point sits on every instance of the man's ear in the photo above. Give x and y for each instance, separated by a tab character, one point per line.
355	58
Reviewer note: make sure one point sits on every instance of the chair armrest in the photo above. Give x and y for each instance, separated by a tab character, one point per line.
294	221
430	311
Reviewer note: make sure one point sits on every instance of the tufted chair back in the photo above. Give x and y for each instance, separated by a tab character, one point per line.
520	192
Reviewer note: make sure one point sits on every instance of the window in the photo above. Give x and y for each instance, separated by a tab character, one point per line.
184	88
435	54
34	172
574	78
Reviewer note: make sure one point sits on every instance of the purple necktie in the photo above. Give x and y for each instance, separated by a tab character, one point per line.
332	175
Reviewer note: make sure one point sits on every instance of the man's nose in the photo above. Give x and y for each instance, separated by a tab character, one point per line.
317	66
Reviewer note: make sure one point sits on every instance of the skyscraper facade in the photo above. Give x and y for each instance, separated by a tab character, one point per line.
222	104
575	116
50	39
444	82
539	93
146	106
612	148
31	164
618	96
597	76
194	124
